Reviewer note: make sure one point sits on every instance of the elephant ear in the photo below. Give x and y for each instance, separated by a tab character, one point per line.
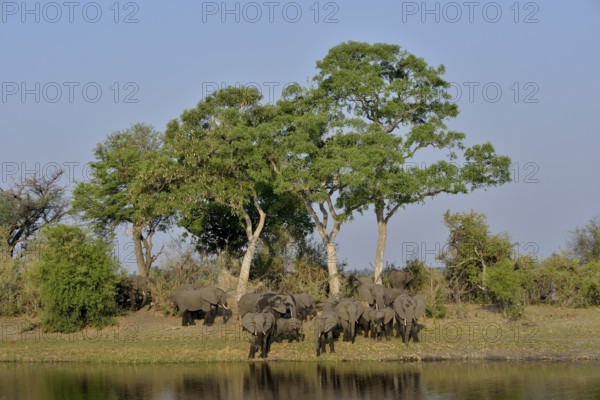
211	294
388	315
360	309
364	293
278	305
420	307
330	321
402	306
342	311
249	323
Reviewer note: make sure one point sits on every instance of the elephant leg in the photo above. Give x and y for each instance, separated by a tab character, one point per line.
331	347
388	333
252	348
415	333
210	316
185	318
132	299
144	299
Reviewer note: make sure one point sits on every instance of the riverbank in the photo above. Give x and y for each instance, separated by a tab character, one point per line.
471	332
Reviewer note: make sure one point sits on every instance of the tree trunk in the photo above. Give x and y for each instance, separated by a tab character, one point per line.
253	236
136	233
381	242
334	279
245	269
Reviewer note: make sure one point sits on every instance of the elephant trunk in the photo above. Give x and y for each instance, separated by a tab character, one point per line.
407	329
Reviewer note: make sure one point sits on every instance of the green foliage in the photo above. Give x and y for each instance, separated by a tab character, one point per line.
505	283
126	189
562	280
419	271
396	106
585	242
77	276
471	253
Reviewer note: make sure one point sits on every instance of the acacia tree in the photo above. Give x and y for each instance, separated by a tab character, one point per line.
395	107
219	156
28	206
111	198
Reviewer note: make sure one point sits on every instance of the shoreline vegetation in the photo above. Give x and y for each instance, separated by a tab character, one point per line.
470	333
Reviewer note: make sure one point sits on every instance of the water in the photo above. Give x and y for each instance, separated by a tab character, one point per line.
291	381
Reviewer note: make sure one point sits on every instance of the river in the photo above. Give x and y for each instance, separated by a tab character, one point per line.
310	381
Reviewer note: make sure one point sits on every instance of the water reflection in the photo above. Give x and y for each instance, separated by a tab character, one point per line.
291	381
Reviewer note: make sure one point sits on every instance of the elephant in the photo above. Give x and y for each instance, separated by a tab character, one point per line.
349	311
192	297
373	295
392	294
281	305
400	279
262	327
137	285
407	310
247	303
325	327
305	306
289	328
381	321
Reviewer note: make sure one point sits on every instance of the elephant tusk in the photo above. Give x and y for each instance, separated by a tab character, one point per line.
224	306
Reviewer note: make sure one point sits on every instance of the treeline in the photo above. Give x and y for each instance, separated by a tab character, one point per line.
250	182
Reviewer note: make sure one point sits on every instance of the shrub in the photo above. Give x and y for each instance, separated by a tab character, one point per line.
77	275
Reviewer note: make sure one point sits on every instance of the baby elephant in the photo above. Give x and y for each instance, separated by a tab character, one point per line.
289	328
325	326
382	322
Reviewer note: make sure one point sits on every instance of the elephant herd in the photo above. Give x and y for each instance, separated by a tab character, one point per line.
272	316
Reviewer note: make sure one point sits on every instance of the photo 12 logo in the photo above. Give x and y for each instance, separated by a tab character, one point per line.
68	92
494	92
270	91
270	11
68	12
470	11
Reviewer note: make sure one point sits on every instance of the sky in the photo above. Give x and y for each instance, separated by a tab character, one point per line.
524	75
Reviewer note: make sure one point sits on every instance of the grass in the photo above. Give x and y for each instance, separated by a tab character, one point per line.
469	333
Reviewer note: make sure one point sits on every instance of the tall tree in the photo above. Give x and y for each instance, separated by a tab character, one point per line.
220	160
28	206
395	106
111	199
307	162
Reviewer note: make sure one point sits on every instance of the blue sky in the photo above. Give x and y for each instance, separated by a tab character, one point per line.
525	76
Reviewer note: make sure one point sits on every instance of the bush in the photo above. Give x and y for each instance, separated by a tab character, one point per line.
504	282
18	293
77	275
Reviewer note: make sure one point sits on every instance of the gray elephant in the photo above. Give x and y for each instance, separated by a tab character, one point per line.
288	328
381	322
392	294
247	303
281	305
349	311
374	295
400	279
192	297
325	326
305	306
408	310
137	285
261	326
